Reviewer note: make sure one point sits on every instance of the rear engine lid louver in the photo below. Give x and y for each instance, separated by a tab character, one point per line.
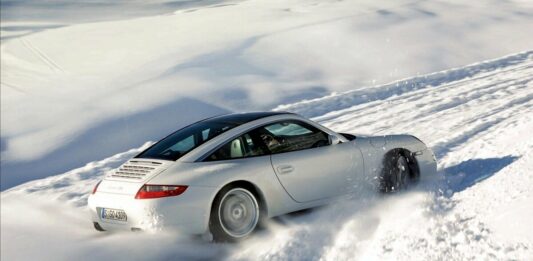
138	170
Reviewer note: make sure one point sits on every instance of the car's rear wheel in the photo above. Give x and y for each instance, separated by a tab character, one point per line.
234	215
397	173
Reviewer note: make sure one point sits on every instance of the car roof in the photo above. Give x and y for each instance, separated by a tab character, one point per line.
242	118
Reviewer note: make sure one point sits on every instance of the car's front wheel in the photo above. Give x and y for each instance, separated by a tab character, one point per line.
234	215
397	172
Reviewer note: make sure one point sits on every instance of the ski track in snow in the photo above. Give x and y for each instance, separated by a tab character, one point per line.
41	55
477	119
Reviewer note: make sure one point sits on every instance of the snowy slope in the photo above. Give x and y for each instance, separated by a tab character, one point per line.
478	119
84	80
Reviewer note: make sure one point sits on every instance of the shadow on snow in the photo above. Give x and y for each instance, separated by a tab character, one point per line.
472	171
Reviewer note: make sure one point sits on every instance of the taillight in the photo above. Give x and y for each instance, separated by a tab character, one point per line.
96	187
159	191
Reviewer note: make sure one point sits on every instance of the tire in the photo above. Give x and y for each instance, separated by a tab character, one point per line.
397	173
235	215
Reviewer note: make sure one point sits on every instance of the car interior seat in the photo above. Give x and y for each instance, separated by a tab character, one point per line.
236	149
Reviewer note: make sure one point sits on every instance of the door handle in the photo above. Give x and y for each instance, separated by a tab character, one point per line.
284	169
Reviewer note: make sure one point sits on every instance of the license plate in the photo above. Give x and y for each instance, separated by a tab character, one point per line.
113	214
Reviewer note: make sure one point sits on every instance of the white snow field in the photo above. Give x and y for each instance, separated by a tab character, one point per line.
478	119
84	80
88	80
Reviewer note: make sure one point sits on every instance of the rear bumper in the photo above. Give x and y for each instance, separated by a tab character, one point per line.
188	213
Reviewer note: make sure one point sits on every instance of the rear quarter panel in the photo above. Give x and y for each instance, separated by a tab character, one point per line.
217	174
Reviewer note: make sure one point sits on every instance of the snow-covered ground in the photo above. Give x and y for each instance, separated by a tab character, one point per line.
87	81
476	118
84	80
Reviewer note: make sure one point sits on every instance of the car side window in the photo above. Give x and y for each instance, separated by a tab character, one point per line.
184	145
292	135
244	146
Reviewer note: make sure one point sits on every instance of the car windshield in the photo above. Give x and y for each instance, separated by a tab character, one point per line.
182	141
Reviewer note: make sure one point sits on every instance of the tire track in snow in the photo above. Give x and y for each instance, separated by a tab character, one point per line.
400	115
337	102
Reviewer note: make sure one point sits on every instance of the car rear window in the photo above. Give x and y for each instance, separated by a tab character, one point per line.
184	140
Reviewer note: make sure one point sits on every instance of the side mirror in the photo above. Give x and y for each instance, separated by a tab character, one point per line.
333	139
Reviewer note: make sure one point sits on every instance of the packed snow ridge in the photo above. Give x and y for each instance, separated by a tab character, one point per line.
478	119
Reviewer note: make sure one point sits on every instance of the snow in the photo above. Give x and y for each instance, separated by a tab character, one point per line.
84	80
477	207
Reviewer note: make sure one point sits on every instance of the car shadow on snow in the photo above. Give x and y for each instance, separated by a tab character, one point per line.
472	171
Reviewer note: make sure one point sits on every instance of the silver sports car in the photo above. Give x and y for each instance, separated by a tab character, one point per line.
225	174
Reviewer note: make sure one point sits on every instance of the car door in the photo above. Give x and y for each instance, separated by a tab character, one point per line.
306	164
